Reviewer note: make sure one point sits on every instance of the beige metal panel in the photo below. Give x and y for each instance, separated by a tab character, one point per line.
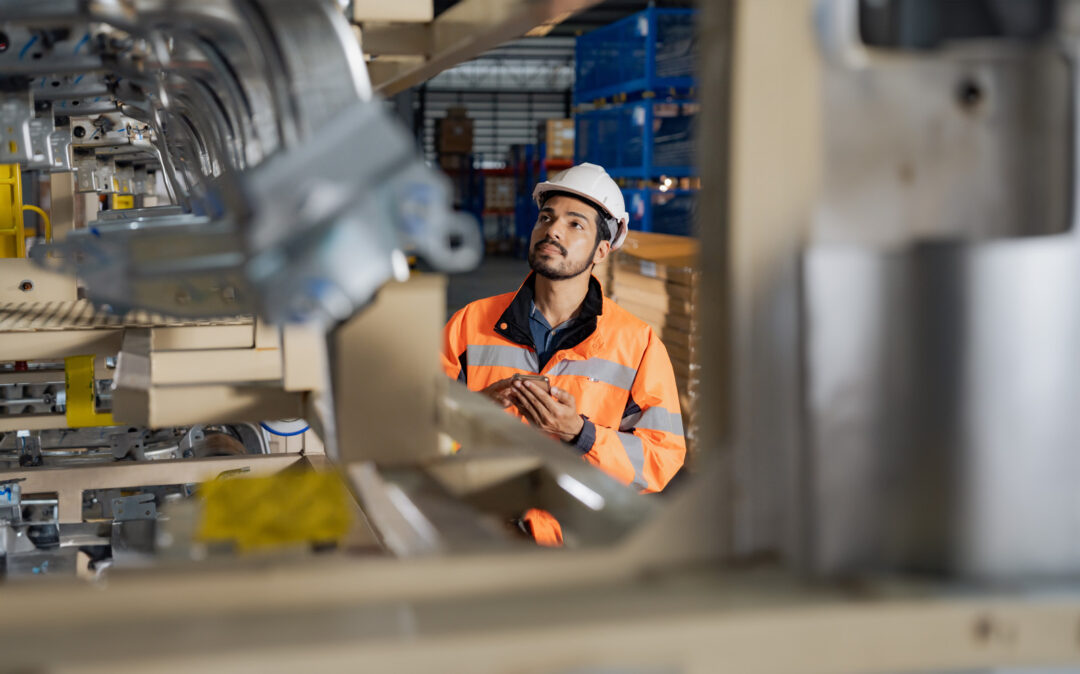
304	358
463	477
70	482
204	337
32	423
16	275
186	405
266	336
132	380
87	207
215	366
82	315
311	444
33	377
387	357
399	10
396	40
62	200
764	140
307	443
468	29
53	345
687	621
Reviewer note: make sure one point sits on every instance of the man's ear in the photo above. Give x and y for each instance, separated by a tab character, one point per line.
602	252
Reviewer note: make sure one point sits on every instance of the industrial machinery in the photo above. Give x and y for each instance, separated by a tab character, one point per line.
227	113
890	298
244	169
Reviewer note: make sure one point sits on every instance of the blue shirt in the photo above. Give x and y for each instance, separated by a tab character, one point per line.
543	335
545	340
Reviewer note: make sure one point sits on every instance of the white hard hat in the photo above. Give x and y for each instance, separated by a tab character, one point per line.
591	182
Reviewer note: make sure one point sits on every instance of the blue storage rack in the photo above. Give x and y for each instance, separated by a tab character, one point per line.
643	140
527	166
664	212
648	51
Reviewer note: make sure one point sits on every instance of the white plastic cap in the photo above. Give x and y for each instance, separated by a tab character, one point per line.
591	182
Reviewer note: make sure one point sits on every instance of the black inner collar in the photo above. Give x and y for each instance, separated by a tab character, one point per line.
514	322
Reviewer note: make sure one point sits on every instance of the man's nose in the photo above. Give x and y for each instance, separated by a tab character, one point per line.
557	229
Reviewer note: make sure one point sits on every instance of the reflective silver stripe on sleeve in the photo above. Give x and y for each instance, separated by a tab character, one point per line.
499	355
653	419
635	451
599	369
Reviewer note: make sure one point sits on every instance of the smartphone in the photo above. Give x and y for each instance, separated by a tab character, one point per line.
538	379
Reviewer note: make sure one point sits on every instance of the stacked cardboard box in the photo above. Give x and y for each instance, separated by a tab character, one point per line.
558	134
655	277
499	193
454	162
454	133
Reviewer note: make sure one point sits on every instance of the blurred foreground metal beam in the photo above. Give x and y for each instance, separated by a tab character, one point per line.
467	29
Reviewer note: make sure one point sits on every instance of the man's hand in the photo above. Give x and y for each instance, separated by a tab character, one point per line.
500	392
555	413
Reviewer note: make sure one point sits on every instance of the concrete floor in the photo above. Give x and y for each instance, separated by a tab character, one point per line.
494	276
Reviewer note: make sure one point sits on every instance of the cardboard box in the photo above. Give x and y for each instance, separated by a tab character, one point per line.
453	162
558	134
499	193
656	316
661	256
653	246
654	277
454	135
628	277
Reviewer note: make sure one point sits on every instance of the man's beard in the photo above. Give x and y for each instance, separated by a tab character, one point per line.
549	270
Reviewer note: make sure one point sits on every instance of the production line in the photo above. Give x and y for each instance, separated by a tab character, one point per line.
221	403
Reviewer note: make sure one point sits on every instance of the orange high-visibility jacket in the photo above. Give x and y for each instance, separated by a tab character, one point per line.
610	361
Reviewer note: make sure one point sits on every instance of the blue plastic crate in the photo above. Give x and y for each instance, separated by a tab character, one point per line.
664	212
645	139
650	50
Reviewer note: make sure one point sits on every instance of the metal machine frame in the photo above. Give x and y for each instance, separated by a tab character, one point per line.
676	592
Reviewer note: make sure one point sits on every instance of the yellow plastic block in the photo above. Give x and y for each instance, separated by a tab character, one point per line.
290	507
79	387
12	236
123	201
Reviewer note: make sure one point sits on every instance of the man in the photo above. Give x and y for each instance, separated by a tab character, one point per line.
613	395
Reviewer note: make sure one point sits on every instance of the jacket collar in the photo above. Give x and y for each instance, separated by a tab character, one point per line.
514	321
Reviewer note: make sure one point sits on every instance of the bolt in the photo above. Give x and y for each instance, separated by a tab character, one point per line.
969	94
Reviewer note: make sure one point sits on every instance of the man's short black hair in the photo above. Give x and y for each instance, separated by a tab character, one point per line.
603	230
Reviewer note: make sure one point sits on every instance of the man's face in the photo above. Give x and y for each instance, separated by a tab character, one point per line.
563	243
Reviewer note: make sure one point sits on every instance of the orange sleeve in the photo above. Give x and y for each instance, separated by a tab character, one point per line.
649	446
454	346
543	526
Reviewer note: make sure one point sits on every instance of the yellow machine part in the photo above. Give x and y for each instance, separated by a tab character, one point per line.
45	222
290	507
122	201
12	235
79	387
